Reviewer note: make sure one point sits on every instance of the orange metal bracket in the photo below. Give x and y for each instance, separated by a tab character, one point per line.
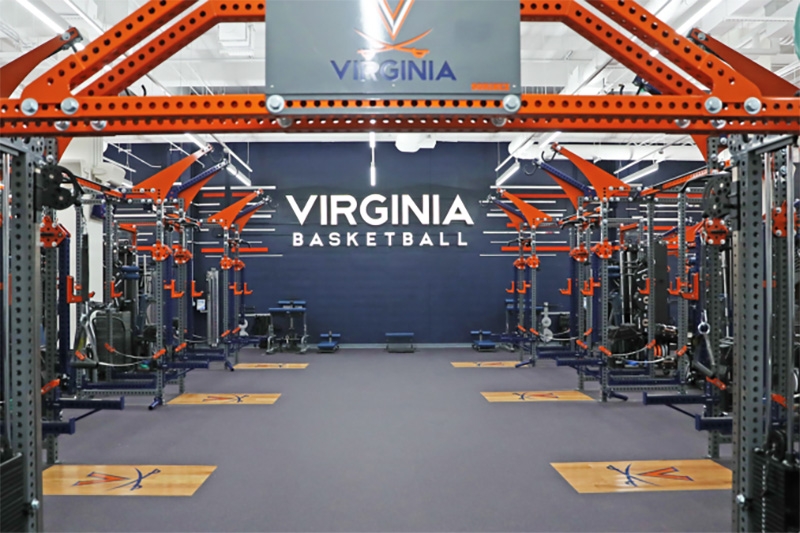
227	216
573	193
12	74
157	186
582	344
188	194
74	291
52	234
235	288
568	290
246	291
533	215
605	351
182	255
580	254
195	292
604	250
171	288
589	286
769	83
604	184
114	292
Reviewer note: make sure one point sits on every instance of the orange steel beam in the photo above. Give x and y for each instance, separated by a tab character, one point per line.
399	124
172	40
767	81
77	68
12	74
243	113
724	81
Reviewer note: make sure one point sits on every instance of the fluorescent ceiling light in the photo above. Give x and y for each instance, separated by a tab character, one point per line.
227	150
510	171
236	173
89	20
39	14
639	174
702	12
550	139
196	140
372	176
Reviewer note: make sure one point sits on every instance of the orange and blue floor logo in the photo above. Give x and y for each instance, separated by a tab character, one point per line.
536	396
124	480
642	476
224	399
485	364
271	366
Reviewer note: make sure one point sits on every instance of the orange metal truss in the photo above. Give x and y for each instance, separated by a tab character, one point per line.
744	107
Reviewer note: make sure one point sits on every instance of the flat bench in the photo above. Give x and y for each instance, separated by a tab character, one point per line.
481	344
400	342
329	342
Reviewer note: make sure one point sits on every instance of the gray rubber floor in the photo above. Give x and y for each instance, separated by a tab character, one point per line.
363	440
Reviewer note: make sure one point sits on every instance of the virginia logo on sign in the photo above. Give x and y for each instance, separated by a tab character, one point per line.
393	21
367	69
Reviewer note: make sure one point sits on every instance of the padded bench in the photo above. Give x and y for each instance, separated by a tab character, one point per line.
400	342
329	342
481	344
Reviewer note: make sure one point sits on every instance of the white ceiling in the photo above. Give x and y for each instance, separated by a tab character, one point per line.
230	57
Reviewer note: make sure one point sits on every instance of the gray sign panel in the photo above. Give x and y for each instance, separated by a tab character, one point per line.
408	48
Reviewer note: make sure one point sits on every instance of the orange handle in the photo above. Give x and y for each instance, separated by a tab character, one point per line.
650	344
80	355
236	330
682	351
534	332
50	386
582	344
225	334
159	353
73	291
605	350
179	348
114	293
521	328
779	399
646	289
721	386
110	348
588	332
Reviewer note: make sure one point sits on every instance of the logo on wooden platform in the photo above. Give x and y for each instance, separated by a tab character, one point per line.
485	364
224	399
537	396
124	480
636	476
271	366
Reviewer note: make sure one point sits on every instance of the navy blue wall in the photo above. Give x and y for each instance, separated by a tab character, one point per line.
439	293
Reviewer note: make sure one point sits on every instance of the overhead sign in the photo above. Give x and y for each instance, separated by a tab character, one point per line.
318	49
